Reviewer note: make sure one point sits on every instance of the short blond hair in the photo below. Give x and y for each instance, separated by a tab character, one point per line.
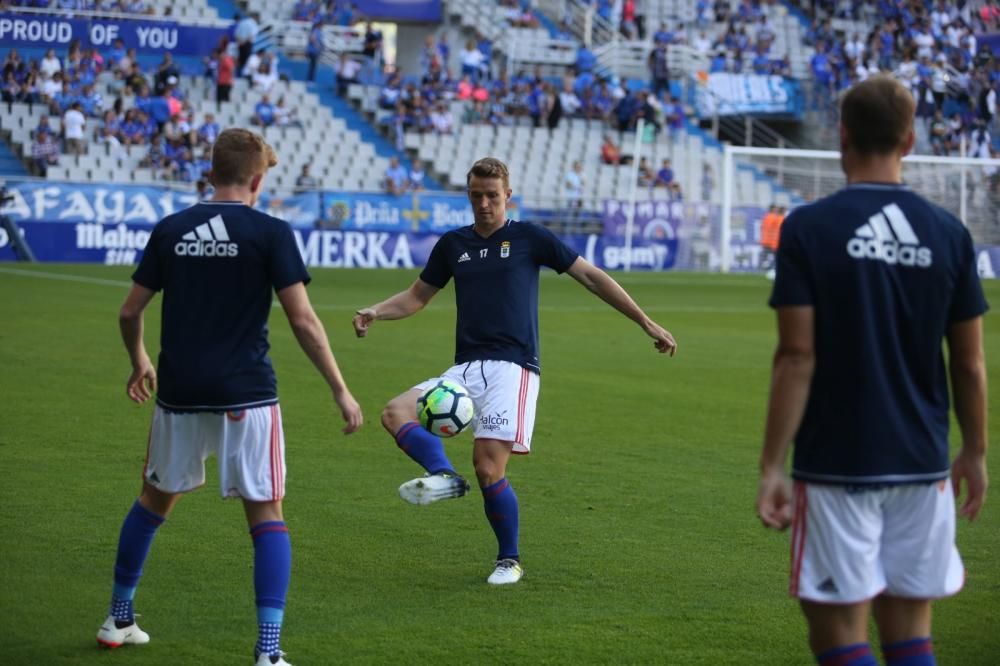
238	155
489	167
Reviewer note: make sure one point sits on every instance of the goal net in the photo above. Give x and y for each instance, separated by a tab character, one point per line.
753	179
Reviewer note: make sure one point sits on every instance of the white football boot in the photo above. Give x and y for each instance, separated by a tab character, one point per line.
112	636
267	660
508	571
433	487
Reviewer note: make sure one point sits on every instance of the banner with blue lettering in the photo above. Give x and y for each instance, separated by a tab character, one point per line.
123	243
401	10
414	212
689	232
26	30
724	94
54	201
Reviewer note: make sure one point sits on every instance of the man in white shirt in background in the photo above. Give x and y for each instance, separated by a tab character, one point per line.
73	123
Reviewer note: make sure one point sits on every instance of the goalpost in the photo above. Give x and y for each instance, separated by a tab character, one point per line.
753	179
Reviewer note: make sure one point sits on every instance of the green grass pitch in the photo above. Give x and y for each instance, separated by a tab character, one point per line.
639	537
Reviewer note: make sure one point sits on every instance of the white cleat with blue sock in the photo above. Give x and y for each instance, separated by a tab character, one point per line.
507	571
433	487
265	659
112	635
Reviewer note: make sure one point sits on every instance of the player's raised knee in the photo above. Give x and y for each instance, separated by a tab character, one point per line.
396	414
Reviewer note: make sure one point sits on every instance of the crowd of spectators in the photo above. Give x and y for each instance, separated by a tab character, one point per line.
422	104
147	110
932	48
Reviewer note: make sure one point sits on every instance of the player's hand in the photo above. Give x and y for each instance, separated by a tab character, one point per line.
363	318
971	468
350	410
142	382
774	500
662	339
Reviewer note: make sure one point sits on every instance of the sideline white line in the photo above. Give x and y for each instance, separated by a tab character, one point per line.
65	277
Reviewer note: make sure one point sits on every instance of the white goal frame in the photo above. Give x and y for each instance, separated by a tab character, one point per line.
732	153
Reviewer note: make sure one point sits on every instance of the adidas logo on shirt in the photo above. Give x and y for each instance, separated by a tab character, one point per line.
888	237
207	240
465	257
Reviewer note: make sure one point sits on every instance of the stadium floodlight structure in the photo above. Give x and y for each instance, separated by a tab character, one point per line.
968	187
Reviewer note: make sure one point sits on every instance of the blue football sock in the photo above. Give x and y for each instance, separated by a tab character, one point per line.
138	530
914	652
425	449
500	504
859	654
272	567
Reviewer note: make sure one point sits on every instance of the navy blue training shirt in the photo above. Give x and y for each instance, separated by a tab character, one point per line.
887	273
217	264
496	288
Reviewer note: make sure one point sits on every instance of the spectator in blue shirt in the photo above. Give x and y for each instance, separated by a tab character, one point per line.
663	35
664	176
761	63
91	101
718	63
396	177
43	127
626	112
263	112
63	99
209	129
585	59
156	157
415	182
314	48
675	117
116	54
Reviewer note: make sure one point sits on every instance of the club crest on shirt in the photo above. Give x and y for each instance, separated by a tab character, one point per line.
504	249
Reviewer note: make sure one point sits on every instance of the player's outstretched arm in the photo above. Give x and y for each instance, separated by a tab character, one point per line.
312	338
142	382
791	376
612	293
967	367
399	306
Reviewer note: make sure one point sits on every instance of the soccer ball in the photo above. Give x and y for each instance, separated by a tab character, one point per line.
445	409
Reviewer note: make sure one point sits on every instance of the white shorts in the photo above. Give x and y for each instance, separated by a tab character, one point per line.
849	546
504	395
249	445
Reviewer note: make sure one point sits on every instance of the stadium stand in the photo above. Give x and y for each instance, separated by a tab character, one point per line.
344	163
700	36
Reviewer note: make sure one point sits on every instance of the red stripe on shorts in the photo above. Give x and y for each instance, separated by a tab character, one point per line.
521	402
275	468
798	537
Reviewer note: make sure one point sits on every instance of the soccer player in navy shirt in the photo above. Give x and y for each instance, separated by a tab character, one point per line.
869	283
216	393
495	264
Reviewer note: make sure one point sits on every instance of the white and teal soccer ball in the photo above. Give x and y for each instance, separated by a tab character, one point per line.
445	409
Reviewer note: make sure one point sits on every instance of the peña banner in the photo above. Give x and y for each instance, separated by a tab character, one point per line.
726	94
